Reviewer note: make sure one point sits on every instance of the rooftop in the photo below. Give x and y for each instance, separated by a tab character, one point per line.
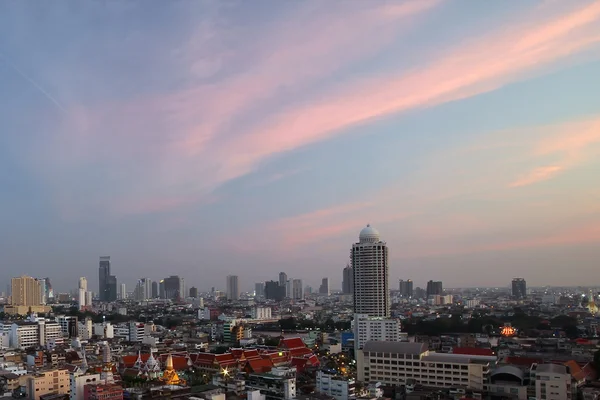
396	347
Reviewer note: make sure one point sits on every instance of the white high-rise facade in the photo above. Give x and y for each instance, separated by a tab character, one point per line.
371	274
297	290
123	292
233	291
82	292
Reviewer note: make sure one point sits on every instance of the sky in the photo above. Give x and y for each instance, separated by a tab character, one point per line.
215	138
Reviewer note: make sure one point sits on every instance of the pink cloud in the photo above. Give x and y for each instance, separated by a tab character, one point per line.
465	71
537	175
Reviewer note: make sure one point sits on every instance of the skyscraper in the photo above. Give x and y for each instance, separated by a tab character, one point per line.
154	290
348	280
519	288
283	278
123	291
174	288
259	289
435	288
324	288
371	282
297	292
193	292
107	283
25	291
406	288
233	291
274	291
82	293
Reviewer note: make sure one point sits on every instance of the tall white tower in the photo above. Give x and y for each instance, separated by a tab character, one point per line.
371	281
82	292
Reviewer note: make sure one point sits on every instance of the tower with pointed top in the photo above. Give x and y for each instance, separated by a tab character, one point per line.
170	376
107	365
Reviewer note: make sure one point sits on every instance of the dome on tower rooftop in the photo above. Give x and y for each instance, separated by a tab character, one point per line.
369	234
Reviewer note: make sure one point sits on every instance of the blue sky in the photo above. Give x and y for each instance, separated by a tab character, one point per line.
208	138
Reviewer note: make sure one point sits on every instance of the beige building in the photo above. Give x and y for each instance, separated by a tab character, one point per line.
53	381
396	363
26	296
553	382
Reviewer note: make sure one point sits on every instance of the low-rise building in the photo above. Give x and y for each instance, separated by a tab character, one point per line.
278	384
47	382
342	388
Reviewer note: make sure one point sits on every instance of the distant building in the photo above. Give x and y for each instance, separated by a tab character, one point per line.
371	274
274	291
348	280
26	296
324	288
174	288
435	288
194	292
82	292
233	291
123	291
259	289
283	278
519	288
406	288
107	283
155	290
297	290
261	312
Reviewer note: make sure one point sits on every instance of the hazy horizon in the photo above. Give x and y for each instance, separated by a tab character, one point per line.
209	138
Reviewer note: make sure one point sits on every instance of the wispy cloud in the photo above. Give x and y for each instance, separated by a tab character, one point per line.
537	175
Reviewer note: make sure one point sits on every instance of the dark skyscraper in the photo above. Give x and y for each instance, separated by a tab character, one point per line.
283	279
434	288
154	290
406	288
173	288
193	292
274	291
519	288
104	279
348	280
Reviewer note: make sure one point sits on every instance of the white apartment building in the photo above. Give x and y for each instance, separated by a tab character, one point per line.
279	383
396	363
24	335
375	329
233	291
339	387
107	330
85	329
371	274
553	382
260	313
78	381
68	324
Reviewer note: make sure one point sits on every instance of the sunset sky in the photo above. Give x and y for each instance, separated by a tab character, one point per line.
208	138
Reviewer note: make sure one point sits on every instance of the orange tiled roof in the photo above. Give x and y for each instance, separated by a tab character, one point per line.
292	343
260	365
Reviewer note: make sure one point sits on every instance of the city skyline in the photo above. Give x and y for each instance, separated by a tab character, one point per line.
195	137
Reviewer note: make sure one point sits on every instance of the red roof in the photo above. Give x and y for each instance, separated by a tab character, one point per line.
292	343
180	363
203	358
260	365
251	354
472	351
129	361
300	351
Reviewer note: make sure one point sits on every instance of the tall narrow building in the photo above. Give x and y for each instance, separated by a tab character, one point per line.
297	290
406	288
81	299
233	291
283	278
519	288
107	283
371	282
348	280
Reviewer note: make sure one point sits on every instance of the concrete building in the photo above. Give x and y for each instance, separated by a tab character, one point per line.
278	384
261	312
406	288
283	278
259	289
26	296
342	388
348	280
42	383
82	293
233	290
519	288
371	281
368	329
107	283
193	292
324	288
274	291
297	289
122	291
435	288
77	382
174	288
554	382
399	363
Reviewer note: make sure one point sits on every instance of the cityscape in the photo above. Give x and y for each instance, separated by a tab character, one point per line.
299	200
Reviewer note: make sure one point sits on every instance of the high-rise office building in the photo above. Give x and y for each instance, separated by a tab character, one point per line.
193	292
107	283
43	291
154	289
174	288
406	288
283	278
435	288
82	293
233	291
519	288
259	289
143	290
25	291
324	288
371	282
348	280
123	292
49	290
274	291
297	290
